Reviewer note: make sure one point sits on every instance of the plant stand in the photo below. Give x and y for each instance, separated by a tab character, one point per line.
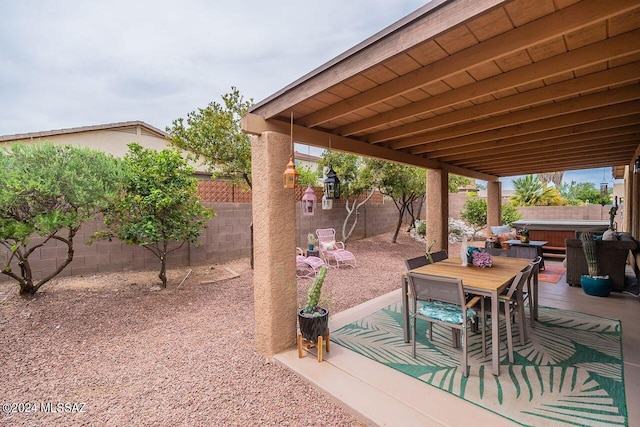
303	344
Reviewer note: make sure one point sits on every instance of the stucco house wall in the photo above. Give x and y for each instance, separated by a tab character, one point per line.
111	138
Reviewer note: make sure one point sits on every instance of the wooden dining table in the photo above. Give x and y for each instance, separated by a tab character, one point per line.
488	282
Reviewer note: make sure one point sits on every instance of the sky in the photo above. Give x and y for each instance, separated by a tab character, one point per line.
71	63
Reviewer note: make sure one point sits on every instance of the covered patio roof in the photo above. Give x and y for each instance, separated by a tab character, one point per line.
481	88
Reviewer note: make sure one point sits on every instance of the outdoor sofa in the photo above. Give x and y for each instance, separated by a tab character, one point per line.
612	259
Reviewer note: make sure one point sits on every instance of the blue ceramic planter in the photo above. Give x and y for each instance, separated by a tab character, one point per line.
596	286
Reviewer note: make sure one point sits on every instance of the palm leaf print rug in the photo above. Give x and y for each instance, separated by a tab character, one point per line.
569	372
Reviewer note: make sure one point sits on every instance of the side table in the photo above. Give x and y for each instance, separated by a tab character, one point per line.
314	252
537	244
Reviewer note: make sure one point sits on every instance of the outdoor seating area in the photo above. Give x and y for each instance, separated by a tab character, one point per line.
373	374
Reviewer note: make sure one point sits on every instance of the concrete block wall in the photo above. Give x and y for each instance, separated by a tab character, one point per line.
373	219
227	237
580	213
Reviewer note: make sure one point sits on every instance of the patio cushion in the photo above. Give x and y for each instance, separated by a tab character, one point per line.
445	312
329	246
500	229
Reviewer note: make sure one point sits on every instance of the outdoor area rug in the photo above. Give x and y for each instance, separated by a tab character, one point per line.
569	372
551	273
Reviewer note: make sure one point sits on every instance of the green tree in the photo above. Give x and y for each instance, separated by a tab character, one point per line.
457	181
158	205
306	176
510	214
50	191
356	185
214	134
583	192
474	213
530	191
404	184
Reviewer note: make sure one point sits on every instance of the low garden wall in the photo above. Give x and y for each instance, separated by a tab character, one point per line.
227	237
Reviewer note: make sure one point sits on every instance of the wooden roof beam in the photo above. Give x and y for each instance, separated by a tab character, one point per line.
611	77
588	148
431	20
606	50
571	132
588	162
569	19
256	125
534	145
612	103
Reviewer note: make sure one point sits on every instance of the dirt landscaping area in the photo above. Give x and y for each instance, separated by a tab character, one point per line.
183	356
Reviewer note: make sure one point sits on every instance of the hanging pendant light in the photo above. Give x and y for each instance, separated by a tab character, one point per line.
290	173
604	187
309	202
332	185
326	203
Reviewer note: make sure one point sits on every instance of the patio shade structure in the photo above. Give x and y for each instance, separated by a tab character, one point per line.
482	88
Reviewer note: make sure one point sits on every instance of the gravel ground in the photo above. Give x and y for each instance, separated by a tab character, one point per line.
183	356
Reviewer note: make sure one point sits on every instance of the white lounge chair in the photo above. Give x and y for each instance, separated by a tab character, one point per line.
332	251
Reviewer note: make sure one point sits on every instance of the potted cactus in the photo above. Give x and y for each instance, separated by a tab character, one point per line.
593	283
313	319
311	241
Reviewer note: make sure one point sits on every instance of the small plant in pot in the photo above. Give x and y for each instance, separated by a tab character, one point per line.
314	320
311	241
593	283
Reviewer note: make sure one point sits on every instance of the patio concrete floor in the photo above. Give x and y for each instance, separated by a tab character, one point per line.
379	395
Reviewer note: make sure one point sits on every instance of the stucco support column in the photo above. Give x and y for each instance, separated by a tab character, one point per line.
437	199
633	209
274	224
494	203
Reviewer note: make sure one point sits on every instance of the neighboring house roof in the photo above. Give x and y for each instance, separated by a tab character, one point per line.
306	157
146	128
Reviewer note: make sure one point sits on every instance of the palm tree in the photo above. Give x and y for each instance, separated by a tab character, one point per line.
530	191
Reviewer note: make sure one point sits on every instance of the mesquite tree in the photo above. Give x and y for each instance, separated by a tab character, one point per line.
214	134
47	192
404	184
356	185
158	204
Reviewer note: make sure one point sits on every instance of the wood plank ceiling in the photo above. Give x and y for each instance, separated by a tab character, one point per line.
481	88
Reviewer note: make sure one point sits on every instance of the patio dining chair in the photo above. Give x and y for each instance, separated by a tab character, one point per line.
512	307
333	252
443	302
419	261
532	286
438	256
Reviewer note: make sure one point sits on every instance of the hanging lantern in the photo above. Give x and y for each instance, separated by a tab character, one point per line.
309	202
332	185
290	175
326	203
604	190
636	166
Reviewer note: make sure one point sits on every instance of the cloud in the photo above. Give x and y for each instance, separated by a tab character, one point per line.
73	63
